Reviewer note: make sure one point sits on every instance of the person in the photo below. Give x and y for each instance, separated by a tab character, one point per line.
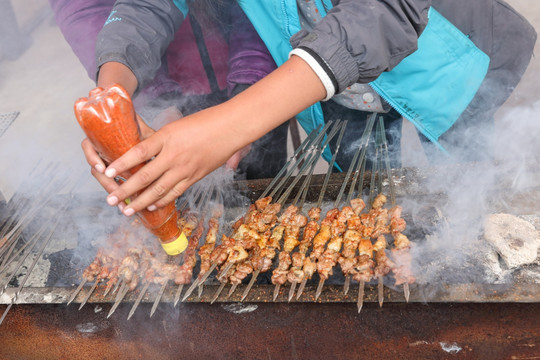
204	65
352	44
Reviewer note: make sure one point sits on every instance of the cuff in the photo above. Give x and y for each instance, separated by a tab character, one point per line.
320	68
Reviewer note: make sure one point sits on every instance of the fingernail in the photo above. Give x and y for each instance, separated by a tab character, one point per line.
100	168
129	212
121	206
152	207
110	173
112	200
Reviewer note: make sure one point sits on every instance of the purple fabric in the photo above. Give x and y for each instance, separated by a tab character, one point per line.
249	60
80	22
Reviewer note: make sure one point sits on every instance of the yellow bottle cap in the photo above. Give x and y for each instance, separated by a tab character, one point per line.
177	246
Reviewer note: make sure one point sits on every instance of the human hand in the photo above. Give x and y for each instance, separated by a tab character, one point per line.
188	149
98	165
182	153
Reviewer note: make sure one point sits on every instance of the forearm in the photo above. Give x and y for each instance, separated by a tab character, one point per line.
281	95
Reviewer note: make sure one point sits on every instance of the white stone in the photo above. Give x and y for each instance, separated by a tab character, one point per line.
516	240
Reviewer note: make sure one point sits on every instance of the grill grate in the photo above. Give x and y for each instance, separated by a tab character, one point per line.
6	120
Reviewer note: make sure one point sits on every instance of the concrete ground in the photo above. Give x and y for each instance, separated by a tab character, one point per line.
44	82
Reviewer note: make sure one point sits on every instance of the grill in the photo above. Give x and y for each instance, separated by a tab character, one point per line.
441	320
54	284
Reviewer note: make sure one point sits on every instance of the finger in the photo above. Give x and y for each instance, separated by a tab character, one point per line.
158	194
108	184
146	130
142	179
92	157
172	195
139	154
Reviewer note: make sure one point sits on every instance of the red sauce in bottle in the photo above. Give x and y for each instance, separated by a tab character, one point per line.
107	117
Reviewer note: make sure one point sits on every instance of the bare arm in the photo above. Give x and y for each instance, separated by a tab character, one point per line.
192	147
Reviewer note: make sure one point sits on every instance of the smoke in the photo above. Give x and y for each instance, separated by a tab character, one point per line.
454	250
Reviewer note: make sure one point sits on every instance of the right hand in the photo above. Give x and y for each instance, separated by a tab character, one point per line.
97	164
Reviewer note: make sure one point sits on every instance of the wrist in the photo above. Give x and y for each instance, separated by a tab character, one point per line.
112	73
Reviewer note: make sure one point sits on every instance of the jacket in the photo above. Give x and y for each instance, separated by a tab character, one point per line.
428	70
81	21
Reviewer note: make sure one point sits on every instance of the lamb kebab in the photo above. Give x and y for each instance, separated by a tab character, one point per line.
351	239
328	259
324	234
295	274
210	243
319	242
262	261
375	222
259	232
244	239
193	229
220	253
293	223
127	270
254	262
260	218
401	251
363	269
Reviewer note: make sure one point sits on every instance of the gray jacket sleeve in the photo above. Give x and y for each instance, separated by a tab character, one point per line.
359	39
136	34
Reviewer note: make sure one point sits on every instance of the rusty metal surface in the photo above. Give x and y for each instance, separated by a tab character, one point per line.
274	331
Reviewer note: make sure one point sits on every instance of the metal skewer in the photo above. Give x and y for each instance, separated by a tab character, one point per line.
138	301
219	290
7	310
347	284
232	289
108	288
406	290
309	152
250	285
306	143
226	270
323	191
319	288
197	282
179	293
89	293
121	294
291	291
380	288
76	292
158	298
119	284
360	301
276	292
